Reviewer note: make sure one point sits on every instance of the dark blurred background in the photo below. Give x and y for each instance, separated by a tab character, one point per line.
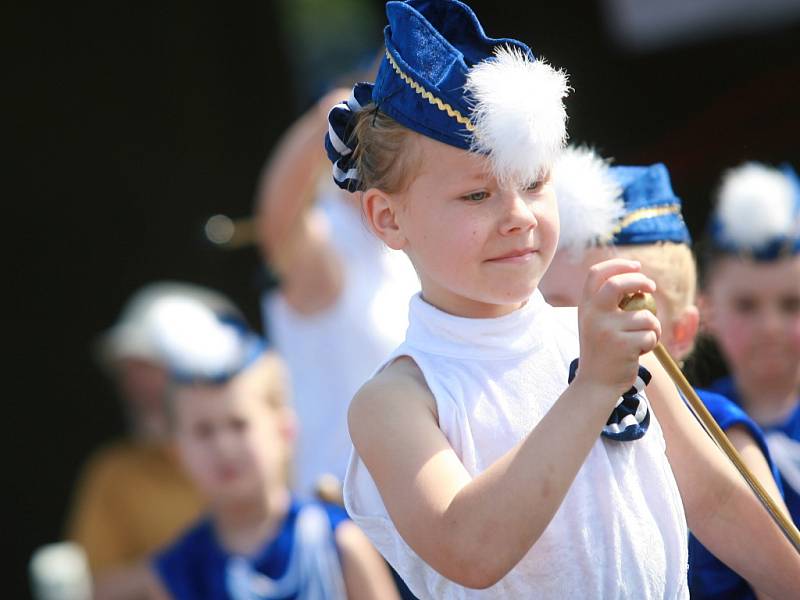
131	123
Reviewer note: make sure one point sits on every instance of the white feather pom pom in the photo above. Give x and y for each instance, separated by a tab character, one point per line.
589	199
518	113
755	206
192	340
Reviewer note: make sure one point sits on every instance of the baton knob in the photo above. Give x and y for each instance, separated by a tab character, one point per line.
639	301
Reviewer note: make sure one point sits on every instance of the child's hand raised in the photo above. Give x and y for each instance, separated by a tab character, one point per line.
612	339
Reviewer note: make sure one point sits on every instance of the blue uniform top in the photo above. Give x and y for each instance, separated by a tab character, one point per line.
300	561
709	578
783	440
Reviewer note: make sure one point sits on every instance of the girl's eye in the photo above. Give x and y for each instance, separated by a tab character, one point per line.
745	305
476	196
790	305
238	425
203	431
535	187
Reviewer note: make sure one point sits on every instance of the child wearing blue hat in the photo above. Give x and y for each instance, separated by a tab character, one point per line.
750	304
478	471
233	431
606	209
632	212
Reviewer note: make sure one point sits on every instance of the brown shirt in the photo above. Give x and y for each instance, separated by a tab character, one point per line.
131	500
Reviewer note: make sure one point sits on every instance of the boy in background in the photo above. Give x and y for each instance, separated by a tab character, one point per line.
132	496
234	433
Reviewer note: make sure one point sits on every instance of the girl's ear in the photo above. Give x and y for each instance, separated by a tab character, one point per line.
684	331
379	210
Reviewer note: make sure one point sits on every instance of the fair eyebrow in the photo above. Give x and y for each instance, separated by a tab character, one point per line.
475	178
465	185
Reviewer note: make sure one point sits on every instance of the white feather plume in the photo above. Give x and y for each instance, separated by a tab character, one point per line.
755	205
589	199
193	340
518	113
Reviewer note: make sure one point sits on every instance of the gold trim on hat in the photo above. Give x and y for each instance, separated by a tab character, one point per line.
452	112
647	213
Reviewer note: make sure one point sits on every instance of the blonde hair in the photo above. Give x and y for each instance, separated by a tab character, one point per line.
672	267
383	156
268	379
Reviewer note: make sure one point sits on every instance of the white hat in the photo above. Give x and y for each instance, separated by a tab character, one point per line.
132	335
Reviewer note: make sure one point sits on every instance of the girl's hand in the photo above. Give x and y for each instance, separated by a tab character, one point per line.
611	339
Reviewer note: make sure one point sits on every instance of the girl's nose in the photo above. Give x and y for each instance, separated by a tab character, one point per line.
518	215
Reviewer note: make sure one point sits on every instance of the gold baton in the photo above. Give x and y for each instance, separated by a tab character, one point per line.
642	301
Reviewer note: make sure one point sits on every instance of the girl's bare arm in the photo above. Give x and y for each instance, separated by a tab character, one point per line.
293	242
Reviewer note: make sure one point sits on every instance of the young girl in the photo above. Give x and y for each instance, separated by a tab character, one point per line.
233	430
476	465
751	306
632	213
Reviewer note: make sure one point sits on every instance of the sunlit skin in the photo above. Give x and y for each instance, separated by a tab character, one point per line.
562	284
232	443
479	248
753	311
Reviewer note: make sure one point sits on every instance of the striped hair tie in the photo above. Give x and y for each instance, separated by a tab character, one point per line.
340	143
631	415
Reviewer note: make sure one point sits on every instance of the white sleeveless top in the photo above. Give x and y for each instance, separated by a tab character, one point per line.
620	531
329	355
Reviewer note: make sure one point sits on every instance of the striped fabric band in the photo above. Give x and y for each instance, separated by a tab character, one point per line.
339	142
631	415
649	212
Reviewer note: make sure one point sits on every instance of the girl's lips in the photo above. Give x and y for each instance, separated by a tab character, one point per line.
227	473
521	255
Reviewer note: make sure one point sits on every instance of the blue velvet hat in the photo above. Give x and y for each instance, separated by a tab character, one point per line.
599	204
430	47
652	210
442	77
757	213
198	345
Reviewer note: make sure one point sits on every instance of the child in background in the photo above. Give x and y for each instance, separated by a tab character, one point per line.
477	464
606	212
342	297
233	430
132	496
750	304
632	213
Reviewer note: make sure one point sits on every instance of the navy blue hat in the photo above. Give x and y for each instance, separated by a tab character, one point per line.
652	210
441	76
757	213
198	345
430	47
621	205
